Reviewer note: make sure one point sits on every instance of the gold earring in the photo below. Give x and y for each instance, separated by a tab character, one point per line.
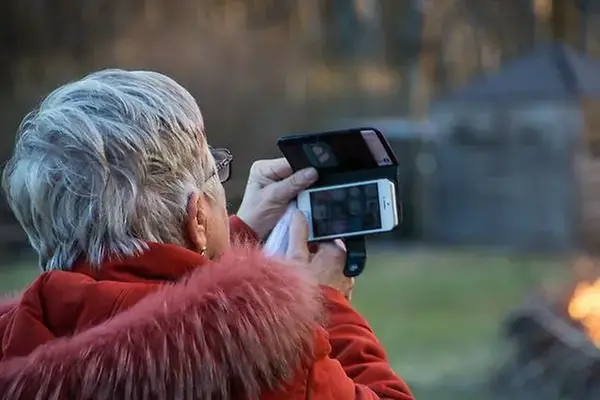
203	250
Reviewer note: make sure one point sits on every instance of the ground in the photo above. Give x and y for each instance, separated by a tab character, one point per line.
437	312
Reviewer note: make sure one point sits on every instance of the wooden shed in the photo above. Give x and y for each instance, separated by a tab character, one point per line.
517	167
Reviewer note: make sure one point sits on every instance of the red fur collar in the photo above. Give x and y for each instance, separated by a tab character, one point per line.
238	326
160	263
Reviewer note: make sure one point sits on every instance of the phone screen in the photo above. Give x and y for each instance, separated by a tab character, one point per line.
345	210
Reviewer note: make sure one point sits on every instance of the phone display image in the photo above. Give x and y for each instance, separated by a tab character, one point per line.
350	209
347	211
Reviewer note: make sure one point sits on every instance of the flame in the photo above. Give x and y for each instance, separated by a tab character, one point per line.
584	307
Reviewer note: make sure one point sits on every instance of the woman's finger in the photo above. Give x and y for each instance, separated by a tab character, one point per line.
298	239
332	254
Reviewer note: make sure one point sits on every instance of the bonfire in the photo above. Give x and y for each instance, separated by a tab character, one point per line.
555	347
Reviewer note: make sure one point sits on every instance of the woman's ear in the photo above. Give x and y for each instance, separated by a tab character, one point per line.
196	222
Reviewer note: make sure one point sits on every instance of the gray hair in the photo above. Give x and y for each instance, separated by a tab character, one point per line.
106	164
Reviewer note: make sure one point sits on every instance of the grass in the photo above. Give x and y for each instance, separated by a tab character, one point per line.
436	312
439	313
16	276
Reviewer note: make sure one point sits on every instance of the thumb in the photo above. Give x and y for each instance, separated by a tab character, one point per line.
287	189
298	239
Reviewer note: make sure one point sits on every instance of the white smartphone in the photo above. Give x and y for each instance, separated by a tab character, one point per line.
351	209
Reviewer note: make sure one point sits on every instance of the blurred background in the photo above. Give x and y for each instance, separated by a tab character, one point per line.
488	289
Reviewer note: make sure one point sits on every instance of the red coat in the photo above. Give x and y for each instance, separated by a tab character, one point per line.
170	324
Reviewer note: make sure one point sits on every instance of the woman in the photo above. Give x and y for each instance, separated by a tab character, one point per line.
141	296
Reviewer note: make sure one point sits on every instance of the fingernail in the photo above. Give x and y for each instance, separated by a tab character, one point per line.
340	243
310	174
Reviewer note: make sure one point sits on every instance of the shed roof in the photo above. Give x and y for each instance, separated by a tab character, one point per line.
551	71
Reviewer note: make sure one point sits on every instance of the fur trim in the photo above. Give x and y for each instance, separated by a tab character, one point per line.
231	330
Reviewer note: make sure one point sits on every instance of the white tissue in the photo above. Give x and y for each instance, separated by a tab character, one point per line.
277	242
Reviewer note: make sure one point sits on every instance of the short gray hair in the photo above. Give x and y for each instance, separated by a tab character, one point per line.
106	164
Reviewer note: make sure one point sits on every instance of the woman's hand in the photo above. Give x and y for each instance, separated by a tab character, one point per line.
270	189
327	263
